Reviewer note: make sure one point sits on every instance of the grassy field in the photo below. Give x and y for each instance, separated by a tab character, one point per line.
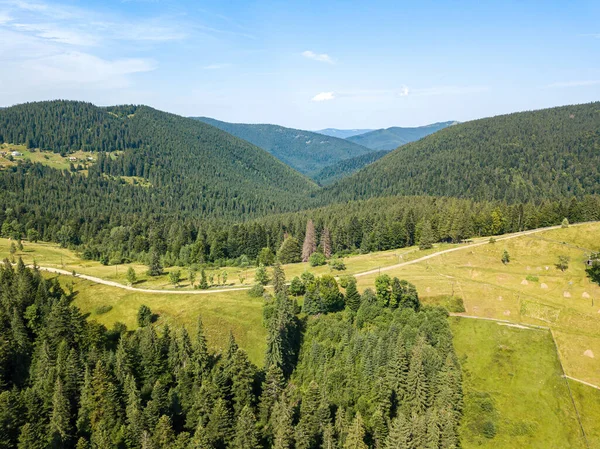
515	395
587	400
52	255
529	289
53	160
220	312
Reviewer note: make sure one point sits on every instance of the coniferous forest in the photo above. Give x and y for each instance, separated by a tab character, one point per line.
69	383
346	369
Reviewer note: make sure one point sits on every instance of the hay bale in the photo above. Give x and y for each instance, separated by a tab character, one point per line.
566	294
589	354
585	295
524	282
544	286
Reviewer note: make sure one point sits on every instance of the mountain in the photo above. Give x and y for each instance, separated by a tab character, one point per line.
346	167
537	155
305	151
342	133
194	169
392	138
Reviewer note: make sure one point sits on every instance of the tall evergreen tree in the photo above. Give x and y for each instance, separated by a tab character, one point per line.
356	434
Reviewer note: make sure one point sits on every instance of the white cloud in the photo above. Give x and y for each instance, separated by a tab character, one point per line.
216	66
581	83
58	34
323	96
4	17
323	57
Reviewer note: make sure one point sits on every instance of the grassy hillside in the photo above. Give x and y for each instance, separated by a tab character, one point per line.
346	167
391	138
304	151
545	154
529	289
514	392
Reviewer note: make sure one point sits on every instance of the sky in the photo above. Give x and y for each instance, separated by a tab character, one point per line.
304	64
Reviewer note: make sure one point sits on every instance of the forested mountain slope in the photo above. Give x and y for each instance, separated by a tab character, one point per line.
340	169
305	151
343	133
545	154
392	138
194	169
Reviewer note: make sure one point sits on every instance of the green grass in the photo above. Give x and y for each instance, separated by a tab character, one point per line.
220	312
53	160
566	301
513	384
587	400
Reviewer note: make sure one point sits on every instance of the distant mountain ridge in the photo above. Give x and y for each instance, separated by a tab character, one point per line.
343	133
306	151
392	138
344	168
538	155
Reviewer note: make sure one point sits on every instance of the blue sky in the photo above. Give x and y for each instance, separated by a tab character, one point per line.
304	64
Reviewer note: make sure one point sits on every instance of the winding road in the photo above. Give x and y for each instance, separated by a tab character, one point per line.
233	289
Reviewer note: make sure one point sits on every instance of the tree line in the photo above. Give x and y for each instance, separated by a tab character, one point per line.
366	374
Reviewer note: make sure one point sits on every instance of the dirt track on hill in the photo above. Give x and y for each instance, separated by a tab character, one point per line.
234	289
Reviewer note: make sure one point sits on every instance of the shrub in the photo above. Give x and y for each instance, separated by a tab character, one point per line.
489	429
102	309
256	291
337	264
317	259
532	278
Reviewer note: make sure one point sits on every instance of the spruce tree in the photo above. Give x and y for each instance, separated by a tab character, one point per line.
356	434
399	434
155	268
427	238
246	436
326	242
352	296
60	419
279	286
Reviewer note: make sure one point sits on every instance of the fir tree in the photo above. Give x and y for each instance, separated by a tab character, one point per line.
326	242
352	296
356	434
155	268
279	286
246	436
60	419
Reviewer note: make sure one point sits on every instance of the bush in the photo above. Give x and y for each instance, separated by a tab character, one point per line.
532	278
317	259
102	309
489	429
337	264
256	291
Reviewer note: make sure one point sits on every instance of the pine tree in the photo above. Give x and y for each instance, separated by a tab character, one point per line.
144	316
310	244
279	286
356	434
427	238
218	429
400	434
326	243
272	388
133	414
416	380
60	419
289	251
155	268
163	435
203	281
307	430
246	436
352	296
283	429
